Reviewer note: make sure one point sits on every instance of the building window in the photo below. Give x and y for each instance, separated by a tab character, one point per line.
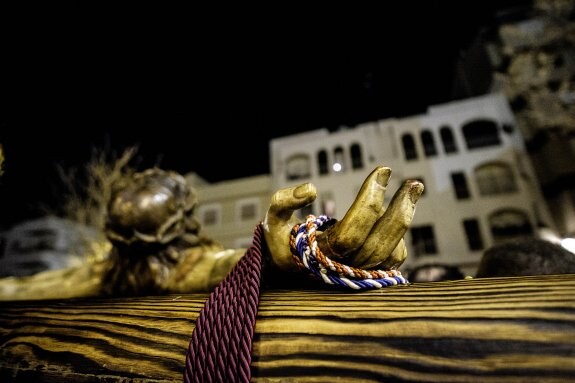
409	147
356	156
210	215
507	128
248	212
473	233
460	185
298	167
495	178
428	143
322	162
481	133
506	224
448	140
339	164
423	240
247	209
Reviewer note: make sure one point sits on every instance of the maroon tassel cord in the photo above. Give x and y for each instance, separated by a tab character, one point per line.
221	346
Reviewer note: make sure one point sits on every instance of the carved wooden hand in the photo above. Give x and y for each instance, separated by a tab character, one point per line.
368	236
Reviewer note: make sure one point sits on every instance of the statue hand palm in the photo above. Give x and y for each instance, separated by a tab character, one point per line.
369	235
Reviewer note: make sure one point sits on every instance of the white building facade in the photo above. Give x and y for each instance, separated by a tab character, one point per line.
229	211
480	187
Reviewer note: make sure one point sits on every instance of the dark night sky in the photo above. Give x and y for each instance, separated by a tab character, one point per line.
206	92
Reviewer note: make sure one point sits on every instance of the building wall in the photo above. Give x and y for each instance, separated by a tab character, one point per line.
219	209
502	197
381	142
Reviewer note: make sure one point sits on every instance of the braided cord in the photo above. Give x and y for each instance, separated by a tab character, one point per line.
221	344
308	256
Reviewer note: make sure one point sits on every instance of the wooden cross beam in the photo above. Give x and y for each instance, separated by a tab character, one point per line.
480	330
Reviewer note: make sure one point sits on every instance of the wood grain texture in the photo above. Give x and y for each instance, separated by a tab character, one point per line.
482	330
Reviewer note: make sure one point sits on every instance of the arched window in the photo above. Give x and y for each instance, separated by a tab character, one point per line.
322	162
298	167
409	147
495	178
428	143
356	156
481	133
448	140
339	164
509	223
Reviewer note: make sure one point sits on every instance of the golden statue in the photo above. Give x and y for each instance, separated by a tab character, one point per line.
158	247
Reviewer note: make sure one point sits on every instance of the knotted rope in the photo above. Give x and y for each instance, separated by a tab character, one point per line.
221	345
308	256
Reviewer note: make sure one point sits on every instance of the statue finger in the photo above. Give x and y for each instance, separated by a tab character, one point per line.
280	219
391	227
393	261
285	201
350	233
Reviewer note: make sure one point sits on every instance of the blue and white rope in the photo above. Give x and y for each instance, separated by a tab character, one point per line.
308	256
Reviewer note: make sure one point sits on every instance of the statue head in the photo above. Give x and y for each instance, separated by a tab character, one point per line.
154	207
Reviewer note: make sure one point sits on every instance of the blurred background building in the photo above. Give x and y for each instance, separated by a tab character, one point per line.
497	163
480	186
